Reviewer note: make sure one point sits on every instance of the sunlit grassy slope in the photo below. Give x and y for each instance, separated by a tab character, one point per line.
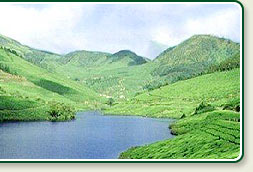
24	84
209	124
40	58
199	49
182	97
118	75
123	74
194	56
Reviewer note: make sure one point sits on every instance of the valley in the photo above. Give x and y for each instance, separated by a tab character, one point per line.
196	82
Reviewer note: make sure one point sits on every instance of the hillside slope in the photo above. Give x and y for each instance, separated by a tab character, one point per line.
118	75
44	59
127	57
124	74
193	57
84	59
199	49
108	74
22	81
219	89
209	120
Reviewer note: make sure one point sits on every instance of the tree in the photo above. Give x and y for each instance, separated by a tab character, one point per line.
110	101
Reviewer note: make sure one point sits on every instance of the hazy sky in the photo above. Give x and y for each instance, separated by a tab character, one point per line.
144	29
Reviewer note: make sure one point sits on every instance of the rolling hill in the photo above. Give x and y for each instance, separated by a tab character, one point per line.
36	88
182	97
99	76
199	49
123	74
98	70
196	82
128	57
207	107
83	59
40	58
193	57
111	75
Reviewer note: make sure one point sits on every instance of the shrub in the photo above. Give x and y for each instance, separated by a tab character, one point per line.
7	69
76	79
61	112
182	116
231	107
110	101
203	107
10	50
228	64
237	108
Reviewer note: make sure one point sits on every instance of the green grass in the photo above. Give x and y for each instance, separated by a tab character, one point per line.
218	89
55	87
40	58
109	79
205	130
193	57
23	83
18	108
199	48
15	103
124	74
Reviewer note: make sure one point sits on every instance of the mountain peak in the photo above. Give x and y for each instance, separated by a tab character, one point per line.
208	37
6	40
124	53
130	56
199	49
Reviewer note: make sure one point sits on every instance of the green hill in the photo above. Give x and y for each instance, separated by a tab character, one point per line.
24	82
84	58
207	108
219	89
92	59
124	74
128	57
40	58
118	75
100	71
199	49
193	57
196	82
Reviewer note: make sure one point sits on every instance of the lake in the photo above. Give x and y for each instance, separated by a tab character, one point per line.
91	136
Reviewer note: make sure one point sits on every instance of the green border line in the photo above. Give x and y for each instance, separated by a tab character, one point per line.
167	161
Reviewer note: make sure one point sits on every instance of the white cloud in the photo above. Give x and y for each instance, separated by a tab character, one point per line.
64	27
166	36
225	23
50	28
222	23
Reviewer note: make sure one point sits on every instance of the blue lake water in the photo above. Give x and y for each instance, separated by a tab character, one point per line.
91	136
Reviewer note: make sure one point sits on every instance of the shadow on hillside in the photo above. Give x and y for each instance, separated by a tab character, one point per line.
54	87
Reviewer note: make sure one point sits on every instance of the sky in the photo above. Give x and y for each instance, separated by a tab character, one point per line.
146	29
